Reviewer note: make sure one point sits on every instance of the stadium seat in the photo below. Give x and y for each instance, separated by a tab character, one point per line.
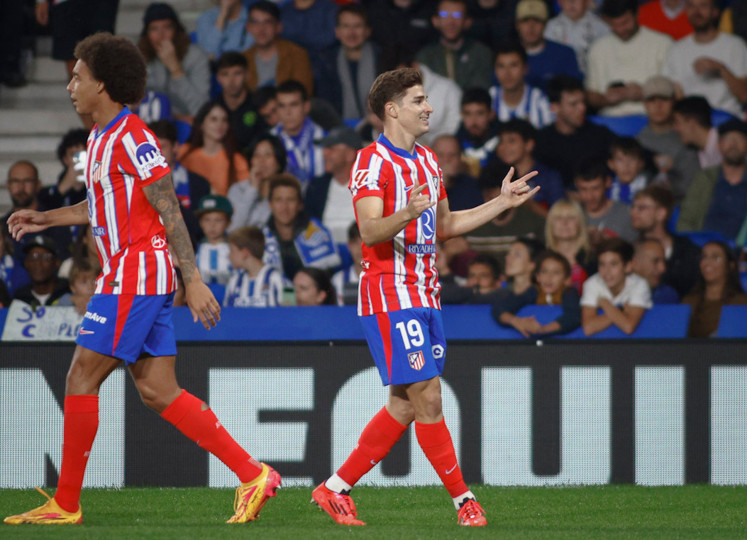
219	291
624	126
701	238
672	223
352	122
661	321
733	322
743	279
183	131
718	117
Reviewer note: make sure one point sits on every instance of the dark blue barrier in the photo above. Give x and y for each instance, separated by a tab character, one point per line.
733	322
662	321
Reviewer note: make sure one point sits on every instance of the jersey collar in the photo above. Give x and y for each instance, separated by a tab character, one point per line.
401	152
124	112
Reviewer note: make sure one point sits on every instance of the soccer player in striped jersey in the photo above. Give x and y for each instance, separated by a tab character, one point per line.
402	210
252	283
132	210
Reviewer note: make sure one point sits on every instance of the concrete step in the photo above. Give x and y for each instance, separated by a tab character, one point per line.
47	70
31	122
11	145
47	164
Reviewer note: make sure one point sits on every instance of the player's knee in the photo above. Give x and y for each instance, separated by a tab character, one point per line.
402	411
430	405
151	398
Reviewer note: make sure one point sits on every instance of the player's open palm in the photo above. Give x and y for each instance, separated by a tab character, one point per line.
418	202
26	222
517	192
202	304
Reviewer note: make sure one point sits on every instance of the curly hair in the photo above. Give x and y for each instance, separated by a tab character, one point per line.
117	63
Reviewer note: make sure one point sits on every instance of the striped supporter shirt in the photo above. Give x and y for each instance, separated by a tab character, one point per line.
122	159
399	273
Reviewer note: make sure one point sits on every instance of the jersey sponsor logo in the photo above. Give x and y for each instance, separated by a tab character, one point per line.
428	223
416	359
437	351
85	332
98	231
148	156
95	317
158	242
359	180
421	249
449	471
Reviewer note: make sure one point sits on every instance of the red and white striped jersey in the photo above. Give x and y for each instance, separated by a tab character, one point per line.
399	273
130	237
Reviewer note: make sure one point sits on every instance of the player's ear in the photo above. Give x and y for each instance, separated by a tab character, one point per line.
391	109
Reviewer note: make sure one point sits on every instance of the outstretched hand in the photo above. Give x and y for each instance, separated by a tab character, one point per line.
202	304
517	192
25	222
418	202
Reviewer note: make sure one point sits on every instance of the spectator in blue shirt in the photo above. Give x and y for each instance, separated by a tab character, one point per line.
546	58
478	132
223	29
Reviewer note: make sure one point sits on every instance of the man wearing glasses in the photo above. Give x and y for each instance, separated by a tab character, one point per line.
467	62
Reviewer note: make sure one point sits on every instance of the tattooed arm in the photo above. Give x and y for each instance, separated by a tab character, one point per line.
200	299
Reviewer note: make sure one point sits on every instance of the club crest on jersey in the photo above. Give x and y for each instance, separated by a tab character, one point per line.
97	173
416	359
148	156
158	242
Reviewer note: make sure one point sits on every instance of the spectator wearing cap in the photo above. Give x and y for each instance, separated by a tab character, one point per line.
273	60
692	122
214	214
176	67
708	62
675	162
328	197
223	29
42	262
545	58
454	56
717	198
576	26
620	62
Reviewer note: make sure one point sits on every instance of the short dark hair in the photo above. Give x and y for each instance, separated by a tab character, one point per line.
354	232
292	86
618	8
512	47
72	138
562	83
231	59
164	129
490	261
628	146
476	95
392	86
278	148
437	6
266	7
534	246
519	126
661	195
549	254
353	9
249	238
116	62
263	95
591	170
695	107
616	245
285	180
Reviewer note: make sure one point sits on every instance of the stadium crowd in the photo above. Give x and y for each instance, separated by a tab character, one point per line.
634	116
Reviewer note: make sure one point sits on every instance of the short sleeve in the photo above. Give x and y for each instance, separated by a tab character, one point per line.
143	158
369	176
640	293
591	293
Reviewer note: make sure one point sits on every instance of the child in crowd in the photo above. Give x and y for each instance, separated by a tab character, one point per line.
628	163
252	283
553	288
484	274
214	213
622	296
520	264
346	280
82	285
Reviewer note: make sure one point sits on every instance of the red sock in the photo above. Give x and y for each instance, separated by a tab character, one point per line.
435	441
202	426
79	431
374	444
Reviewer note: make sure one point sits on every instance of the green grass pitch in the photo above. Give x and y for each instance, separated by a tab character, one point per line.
695	511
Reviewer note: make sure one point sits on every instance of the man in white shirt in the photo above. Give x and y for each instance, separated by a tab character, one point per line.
619	63
576	26
709	63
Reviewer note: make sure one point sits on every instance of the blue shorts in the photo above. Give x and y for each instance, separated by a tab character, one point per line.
407	345
127	326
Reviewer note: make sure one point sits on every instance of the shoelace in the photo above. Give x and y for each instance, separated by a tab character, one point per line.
346	503
40	490
471	510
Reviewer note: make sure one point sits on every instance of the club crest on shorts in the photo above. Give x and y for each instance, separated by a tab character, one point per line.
416	359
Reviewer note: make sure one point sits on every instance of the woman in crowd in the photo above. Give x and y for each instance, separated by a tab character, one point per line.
176	67
248	197
314	288
211	150
566	233
520	263
717	286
